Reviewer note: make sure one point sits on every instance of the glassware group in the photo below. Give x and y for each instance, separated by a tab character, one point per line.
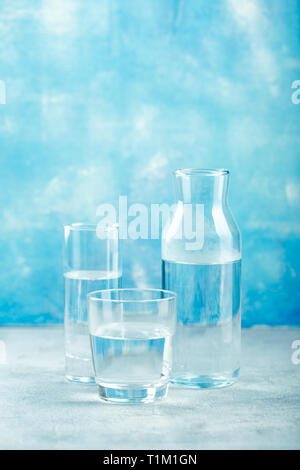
133	342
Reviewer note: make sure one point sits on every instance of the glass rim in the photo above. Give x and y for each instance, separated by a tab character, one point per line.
171	295
202	171
78	226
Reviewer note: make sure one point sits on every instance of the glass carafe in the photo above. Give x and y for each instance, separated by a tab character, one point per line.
201	262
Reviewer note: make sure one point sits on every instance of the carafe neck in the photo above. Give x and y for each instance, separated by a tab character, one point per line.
207	187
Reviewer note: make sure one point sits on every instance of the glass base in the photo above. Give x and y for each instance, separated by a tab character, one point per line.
81	380
79	369
131	395
206	381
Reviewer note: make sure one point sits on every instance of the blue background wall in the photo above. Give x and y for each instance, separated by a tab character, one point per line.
107	97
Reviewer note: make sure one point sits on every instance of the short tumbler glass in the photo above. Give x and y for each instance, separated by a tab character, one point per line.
131	334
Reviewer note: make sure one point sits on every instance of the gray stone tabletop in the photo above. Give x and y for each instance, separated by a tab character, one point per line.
39	409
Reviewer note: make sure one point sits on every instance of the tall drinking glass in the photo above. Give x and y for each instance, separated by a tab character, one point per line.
92	261
131	338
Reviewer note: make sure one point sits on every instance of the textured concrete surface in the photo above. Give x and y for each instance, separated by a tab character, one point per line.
40	410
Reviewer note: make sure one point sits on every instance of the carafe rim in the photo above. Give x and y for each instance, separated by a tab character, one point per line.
201	172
